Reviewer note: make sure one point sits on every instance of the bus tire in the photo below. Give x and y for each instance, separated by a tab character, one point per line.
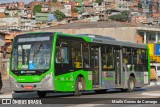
131	84
79	86
41	94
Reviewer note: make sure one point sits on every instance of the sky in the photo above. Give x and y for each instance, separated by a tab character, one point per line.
9	1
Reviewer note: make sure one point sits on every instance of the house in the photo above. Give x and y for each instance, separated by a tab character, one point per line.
45	8
156	19
20	5
139	19
12	13
2	9
11	6
10	21
122	5
110	4
44	18
2	15
67	10
79	5
98	7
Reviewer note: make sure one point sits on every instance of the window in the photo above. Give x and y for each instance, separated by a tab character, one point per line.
144	60
151	37
158	37
140	60
76	49
107	58
62	53
86	57
141	34
127	58
134	53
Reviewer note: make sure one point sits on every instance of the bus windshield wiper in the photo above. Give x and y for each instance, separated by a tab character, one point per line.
37	50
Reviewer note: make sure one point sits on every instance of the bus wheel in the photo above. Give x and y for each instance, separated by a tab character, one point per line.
131	84
79	86
41	94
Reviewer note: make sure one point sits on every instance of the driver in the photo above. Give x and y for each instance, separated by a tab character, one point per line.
41	63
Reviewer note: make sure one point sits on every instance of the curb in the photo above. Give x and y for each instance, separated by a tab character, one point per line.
154	84
6	95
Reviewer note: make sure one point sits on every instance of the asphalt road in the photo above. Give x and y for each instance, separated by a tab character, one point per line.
90	99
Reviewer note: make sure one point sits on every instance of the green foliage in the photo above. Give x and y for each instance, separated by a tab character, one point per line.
37	8
123	16
139	5
99	1
59	15
75	10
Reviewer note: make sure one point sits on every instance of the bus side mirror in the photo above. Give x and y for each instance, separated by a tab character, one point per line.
62	53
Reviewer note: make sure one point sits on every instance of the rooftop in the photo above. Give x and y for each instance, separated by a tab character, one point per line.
102	24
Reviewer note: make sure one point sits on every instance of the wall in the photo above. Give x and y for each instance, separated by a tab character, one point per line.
122	33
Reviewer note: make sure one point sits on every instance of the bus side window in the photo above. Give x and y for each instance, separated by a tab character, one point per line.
62	55
86	57
76	49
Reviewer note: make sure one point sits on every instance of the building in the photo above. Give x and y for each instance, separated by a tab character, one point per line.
10	21
2	9
99	8
122	5
139	19
79	5
2	15
110	4
12	5
42	19
67	10
45	8
20	5
121	31
12	13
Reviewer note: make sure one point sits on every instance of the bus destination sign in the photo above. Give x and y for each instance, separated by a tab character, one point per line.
34	39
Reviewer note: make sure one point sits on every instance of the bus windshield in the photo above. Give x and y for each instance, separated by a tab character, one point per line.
31	53
31	56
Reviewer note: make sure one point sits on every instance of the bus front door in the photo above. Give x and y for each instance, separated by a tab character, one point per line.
118	67
95	63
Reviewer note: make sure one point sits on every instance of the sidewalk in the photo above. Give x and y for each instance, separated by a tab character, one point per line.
6	91
152	93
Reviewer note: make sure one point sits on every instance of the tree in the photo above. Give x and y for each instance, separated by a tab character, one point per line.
139	5
59	15
75	10
37	8
123	16
99	1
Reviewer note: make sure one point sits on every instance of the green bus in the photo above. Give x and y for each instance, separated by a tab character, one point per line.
57	62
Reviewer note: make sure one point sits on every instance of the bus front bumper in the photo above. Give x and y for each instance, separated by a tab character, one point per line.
46	84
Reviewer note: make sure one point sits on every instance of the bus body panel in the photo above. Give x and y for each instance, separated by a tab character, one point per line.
46	83
66	82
